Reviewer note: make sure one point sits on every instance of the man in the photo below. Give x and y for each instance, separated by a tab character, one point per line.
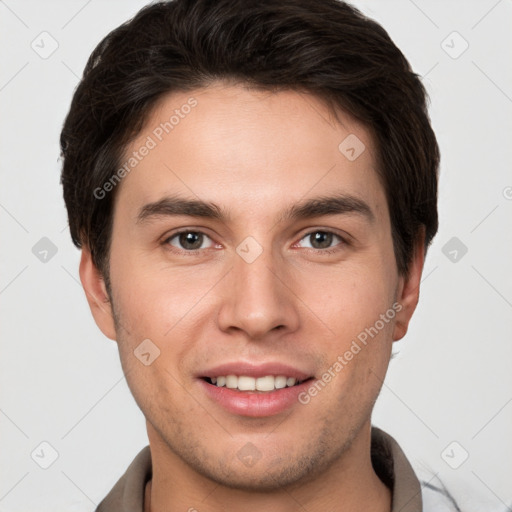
253	186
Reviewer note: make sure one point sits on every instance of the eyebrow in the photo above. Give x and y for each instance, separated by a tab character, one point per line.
314	207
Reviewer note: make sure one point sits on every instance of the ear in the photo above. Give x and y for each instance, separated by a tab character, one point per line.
408	291
97	296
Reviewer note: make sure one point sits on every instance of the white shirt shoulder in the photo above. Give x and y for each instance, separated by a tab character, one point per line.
435	499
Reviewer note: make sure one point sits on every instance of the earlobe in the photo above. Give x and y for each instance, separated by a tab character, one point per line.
409	290
97	296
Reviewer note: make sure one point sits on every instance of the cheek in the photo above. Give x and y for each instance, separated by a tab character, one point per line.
347	299
356	304
155	300
159	315
172	308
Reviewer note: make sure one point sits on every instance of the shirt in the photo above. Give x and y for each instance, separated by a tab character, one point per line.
388	459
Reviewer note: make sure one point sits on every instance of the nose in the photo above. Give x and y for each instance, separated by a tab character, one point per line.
258	298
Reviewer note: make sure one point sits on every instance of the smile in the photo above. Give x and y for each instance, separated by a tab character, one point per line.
246	383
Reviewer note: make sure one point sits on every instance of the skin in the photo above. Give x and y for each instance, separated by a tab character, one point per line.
254	154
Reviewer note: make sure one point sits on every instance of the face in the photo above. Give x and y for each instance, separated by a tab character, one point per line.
246	244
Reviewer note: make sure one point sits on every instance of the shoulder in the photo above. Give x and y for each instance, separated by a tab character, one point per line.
128	493
437	499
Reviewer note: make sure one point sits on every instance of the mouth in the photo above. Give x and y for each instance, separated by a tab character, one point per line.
244	389
246	383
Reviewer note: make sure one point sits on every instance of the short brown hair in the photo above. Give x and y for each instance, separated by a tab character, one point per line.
324	47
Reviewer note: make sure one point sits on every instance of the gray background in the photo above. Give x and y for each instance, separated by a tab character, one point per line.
448	393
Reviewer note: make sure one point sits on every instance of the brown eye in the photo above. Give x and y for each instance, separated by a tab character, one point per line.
321	240
188	240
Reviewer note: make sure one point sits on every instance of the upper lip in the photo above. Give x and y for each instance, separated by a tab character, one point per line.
255	370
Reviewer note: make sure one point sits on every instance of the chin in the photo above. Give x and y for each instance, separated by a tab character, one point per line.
263	479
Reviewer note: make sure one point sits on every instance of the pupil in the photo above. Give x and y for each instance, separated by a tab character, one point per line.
321	240
191	240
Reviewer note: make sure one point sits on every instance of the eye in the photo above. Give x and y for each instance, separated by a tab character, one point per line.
190	240
321	240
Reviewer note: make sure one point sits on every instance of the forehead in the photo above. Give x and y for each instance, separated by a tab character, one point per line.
249	148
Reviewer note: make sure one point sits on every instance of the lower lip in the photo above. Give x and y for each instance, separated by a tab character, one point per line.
254	404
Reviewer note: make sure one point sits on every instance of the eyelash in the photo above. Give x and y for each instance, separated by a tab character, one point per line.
195	252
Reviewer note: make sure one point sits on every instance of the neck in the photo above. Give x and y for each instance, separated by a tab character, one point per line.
349	485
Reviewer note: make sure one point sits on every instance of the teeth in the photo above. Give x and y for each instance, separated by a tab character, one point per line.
246	383
265	383
290	381
280	382
231	381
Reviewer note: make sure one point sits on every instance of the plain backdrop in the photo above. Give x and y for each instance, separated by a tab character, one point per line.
447	398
